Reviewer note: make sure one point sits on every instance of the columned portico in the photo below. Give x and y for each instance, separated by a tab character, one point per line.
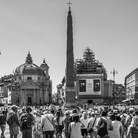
30	94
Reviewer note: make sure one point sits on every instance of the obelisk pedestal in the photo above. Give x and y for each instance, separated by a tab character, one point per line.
70	95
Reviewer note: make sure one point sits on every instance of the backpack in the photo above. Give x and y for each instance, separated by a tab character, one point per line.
134	133
2	119
27	121
10	120
102	130
24	122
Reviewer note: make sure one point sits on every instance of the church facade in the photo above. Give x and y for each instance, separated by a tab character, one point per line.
31	84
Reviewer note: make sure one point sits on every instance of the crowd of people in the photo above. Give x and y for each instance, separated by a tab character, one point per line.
62	122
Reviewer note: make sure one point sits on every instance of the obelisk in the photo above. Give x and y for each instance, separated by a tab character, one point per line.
70	90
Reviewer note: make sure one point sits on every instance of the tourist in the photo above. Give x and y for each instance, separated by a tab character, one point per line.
133	128
59	125
37	129
129	117
84	120
75	127
92	125
117	131
104	125
66	122
27	121
48	124
13	122
3	123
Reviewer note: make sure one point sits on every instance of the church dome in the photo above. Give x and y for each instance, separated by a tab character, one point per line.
29	68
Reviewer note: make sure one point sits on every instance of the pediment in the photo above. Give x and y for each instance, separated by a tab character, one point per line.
29	85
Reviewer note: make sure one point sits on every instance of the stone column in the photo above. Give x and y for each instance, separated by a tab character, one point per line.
37	96
34	96
25	99
21	96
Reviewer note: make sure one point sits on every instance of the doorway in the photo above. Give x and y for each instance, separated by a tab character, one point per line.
29	100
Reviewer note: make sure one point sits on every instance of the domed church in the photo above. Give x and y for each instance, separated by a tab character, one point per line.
31	84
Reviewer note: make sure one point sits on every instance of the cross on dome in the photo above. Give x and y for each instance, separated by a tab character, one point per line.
69	5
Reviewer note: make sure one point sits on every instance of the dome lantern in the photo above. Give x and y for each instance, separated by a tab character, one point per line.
29	59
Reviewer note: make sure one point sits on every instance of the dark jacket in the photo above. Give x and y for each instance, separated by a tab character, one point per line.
2	119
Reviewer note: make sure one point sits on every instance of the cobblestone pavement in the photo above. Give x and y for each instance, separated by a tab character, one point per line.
7	133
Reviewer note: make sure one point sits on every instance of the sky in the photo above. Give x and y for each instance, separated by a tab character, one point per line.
108	27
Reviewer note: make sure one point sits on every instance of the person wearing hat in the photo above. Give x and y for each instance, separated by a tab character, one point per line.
27	122
13	122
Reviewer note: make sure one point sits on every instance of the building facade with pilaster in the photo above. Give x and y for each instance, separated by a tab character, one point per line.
131	86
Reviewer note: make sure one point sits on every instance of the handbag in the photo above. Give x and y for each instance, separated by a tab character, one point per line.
90	129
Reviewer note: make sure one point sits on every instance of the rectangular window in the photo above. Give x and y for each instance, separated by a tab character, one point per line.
38	78
82	85
29	78
136	88
96	85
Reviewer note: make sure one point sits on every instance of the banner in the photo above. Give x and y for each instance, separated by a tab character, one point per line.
90	87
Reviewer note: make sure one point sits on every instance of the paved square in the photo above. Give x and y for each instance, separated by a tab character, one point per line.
7	133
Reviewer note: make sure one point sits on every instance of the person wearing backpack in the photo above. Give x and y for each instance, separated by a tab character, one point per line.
13	122
27	121
104	125
3	123
91	127
133	128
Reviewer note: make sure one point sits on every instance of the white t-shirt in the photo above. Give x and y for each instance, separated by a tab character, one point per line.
47	125
84	121
115	133
75	130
